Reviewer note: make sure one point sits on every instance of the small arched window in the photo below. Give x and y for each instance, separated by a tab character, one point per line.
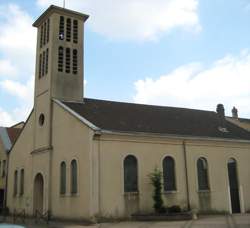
75	31
75	59
63	178
48	29
73	176
22	182
130	174
68	59
41	37
60	59
169	174
61	28
68	30
202	172
15	183
47	61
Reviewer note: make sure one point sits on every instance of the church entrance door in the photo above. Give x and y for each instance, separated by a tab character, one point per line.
233	185
38	193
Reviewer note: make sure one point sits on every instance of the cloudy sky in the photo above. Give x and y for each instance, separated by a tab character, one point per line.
184	53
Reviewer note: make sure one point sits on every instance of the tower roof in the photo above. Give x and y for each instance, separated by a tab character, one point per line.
57	9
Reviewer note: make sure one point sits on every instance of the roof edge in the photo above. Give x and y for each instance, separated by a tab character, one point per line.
53	8
172	136
75	114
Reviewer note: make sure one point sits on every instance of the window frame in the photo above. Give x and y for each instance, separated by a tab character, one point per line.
63	179
166	186
206	186
74	185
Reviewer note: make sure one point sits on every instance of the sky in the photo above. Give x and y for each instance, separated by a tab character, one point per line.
181	53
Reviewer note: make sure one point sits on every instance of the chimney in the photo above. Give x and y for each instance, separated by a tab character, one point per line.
235	113
220	111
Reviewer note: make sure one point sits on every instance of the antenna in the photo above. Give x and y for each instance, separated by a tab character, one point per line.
63	3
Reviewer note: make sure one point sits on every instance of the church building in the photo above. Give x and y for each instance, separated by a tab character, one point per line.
82	158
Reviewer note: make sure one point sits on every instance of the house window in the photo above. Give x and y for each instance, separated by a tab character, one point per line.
67	60
73	177
47	61
75	31
15	183
130	174
60	59
75	70
202	171
61	28
63	178
169	174
41	37
48	28
22	182
68	30
4	168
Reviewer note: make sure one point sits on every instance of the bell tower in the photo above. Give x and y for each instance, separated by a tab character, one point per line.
59	66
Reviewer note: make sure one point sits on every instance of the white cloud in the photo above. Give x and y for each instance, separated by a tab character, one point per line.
226	81
17	49
135	19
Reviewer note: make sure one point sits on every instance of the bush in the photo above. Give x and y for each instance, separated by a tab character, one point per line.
156	181
174	209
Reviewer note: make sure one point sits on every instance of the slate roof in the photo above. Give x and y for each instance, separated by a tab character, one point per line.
13	133
129	117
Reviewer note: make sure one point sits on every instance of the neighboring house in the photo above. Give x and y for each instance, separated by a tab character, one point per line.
8	136
81	158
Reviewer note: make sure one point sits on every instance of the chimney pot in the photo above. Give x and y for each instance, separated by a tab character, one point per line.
235	113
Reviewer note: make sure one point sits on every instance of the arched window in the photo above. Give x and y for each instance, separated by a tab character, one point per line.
73	177
75	31
41	37
43	64
63	178
22	182
60	59
48	28
40	66
75	70
68	59
61	28
202	171
15	183
130	174
44	33
169	174
68	30
47	61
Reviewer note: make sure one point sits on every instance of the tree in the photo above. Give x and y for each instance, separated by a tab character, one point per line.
156	181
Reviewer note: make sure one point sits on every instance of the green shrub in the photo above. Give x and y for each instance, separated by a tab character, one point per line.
156	181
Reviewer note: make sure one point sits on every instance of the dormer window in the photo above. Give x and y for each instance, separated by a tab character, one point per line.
68	30
61	28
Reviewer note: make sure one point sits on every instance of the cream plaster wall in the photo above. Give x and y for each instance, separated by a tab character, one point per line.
3	156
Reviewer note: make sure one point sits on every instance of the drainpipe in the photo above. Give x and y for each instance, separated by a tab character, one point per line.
186	173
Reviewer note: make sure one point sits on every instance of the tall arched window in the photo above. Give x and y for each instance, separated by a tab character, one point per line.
202	172
15	183
63	178
75	61
169	174
44	33
130	174
60	59
22	182
61	28
75	31
40	66
43	64
41	37
48	29
68	29
73	177
68	59
47	61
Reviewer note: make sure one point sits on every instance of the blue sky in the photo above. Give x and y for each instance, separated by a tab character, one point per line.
184	53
